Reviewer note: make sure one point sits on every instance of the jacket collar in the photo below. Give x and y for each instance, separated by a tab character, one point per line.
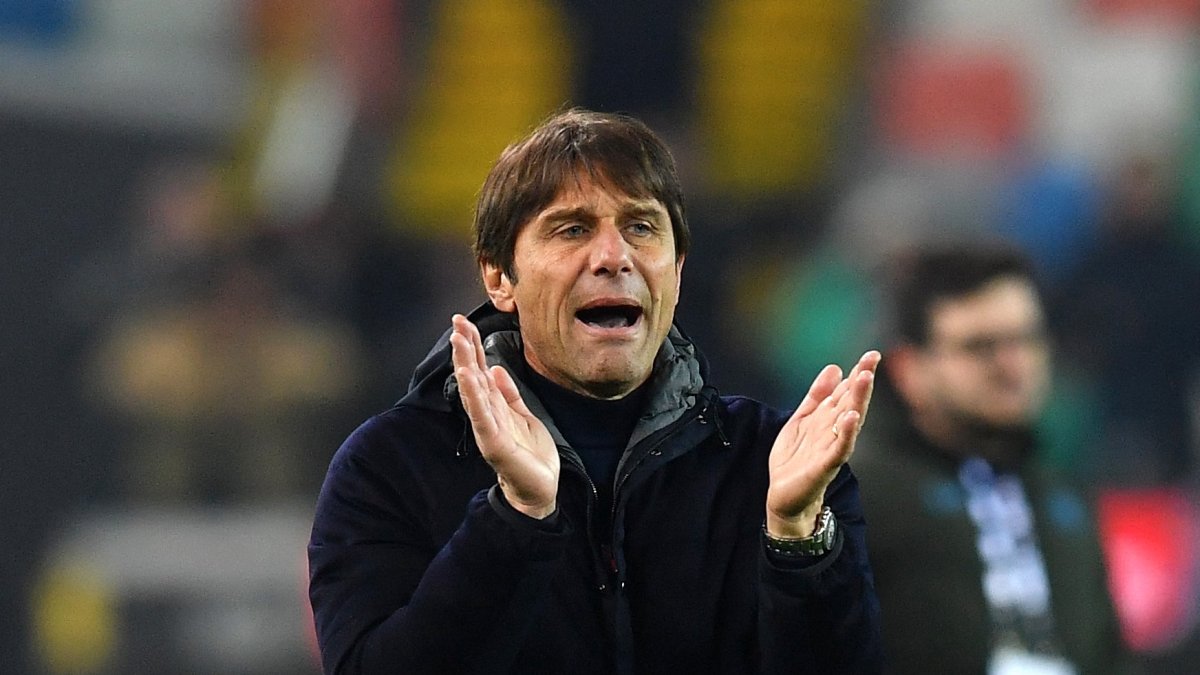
676	381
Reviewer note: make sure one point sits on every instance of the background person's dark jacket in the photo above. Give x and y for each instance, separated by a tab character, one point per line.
928	571
418	566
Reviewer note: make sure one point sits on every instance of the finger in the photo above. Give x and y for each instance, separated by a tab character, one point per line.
848	393
508	389
851	415
472	388
463	354
848	426
461	350
466	368
464	327
870	360
861	382
822	386
863	390
828	424
477	342
794	431
501	409
867	362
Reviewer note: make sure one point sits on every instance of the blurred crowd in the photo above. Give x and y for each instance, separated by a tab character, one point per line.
218	305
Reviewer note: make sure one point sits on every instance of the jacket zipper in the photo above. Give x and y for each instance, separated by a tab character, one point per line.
606	558
652	446
599	550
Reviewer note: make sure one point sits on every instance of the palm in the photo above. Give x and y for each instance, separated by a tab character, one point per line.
522	445
808	452
512	440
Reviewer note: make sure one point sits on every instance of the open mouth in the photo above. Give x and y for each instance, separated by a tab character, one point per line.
610	316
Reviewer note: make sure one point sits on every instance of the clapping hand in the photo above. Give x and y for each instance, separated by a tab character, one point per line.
814	443
511	439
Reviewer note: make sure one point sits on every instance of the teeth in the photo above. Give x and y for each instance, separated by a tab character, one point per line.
612	322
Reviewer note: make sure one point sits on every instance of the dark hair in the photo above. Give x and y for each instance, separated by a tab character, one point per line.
924	277
615	149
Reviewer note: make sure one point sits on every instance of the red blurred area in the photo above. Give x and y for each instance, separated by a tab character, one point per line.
1149	537
937	100
1170	11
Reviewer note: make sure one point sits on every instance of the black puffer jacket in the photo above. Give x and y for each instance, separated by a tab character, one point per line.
419	566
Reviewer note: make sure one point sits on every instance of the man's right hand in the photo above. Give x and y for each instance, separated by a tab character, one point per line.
512	440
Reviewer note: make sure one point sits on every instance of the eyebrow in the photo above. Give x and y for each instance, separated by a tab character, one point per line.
640	209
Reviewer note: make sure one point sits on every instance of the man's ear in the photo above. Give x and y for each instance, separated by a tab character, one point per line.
678	275
499	287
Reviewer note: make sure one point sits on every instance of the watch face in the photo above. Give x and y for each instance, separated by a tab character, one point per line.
827	540
823	538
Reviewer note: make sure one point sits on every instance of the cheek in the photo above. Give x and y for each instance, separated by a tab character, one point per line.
1040	365
667	280
542	309
951	386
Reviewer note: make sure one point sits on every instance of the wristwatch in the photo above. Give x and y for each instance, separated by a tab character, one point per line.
819	542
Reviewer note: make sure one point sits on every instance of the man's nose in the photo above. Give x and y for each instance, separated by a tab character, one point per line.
610	252
1017	354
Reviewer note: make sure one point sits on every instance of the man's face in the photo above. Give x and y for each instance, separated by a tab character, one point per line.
597	283
986	361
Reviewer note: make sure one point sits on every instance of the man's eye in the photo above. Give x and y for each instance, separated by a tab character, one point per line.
979	347
572	231
641	228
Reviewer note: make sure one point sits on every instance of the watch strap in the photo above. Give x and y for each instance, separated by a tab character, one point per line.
818	543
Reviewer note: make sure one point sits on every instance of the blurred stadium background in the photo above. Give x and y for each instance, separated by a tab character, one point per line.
231	227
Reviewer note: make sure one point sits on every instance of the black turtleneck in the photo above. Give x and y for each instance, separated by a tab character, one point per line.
596	429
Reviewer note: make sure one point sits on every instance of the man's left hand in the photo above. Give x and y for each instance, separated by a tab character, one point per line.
813	445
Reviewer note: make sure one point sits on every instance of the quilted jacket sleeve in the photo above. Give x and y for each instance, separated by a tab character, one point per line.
387	598
823	617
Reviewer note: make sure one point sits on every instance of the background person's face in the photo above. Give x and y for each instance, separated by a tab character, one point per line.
597	284
986	361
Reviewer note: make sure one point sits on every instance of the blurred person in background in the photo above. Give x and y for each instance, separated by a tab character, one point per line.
217	379
563	490
222	392
984	562
1127	318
